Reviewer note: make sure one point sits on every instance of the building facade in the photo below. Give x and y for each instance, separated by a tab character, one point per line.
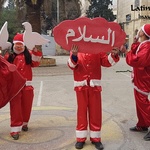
131	15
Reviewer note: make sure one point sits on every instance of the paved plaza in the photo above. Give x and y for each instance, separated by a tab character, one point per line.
53	119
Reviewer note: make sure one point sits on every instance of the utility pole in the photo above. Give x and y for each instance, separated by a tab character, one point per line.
57	11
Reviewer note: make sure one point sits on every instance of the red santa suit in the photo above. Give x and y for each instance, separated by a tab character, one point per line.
87	84
21	105
139	58
11	82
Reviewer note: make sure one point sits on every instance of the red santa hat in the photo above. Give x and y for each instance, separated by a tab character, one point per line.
18	38
146	29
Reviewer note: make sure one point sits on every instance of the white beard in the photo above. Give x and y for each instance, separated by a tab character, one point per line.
18	52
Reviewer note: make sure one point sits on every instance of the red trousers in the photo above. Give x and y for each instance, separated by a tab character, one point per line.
143	109
20	108
89	114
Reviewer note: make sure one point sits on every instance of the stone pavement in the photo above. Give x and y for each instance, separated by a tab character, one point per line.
53	119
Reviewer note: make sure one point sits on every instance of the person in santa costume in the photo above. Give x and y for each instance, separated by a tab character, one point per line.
139	59
21	105
11	82
87	84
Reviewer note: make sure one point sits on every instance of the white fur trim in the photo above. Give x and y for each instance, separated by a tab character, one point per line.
95	82
111	60
25	123
80	83
140	91
18	42
145	31
71	63
81	134
95	134
140	45
28	83
16	129
36	58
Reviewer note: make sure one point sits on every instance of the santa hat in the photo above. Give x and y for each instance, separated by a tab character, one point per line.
18	38
146	29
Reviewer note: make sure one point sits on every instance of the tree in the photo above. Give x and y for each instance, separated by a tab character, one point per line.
20	10
46	16
2	3
33	9
101	8
68	9
13	23
72	9
37	12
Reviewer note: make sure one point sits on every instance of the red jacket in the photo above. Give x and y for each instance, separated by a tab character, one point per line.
24	69
139	59
87	69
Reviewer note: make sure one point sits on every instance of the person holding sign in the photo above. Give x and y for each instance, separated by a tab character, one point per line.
139	59
87	84
21	105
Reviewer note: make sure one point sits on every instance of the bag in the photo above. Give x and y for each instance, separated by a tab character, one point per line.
11	82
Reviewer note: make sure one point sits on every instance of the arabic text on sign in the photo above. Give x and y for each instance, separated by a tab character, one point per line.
102	40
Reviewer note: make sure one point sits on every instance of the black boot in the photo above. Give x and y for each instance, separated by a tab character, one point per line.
15	135
139	129
98	145
25	128
147	136
79	145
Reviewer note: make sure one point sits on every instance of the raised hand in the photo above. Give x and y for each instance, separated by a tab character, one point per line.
74	50
115	51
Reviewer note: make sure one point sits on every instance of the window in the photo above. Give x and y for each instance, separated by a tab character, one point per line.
128	17
136	3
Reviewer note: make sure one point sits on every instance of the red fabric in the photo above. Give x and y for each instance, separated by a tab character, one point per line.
142	109
25	70
20	106
140	61
18	37
89	34
141	66
89	100
89	111
146	29
93	69
134	47
10	82
38	53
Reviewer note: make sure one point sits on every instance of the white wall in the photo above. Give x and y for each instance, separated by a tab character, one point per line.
49	48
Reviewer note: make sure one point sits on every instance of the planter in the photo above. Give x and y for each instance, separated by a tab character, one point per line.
47	62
